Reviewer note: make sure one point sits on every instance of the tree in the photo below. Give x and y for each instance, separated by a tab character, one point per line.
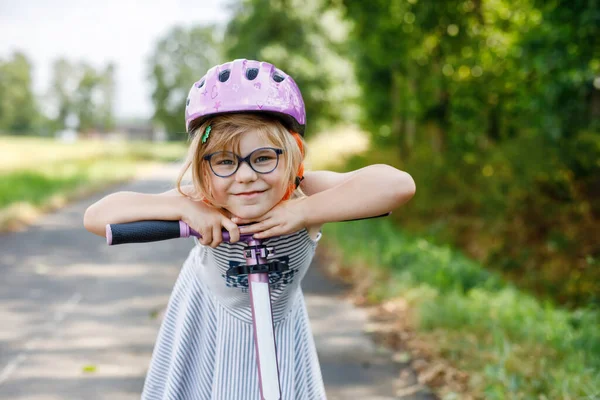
180	59
18	110
561	55
482	71
82	91
107	87
300	38
62	90
87	97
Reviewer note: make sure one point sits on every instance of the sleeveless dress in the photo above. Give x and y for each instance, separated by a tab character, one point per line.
205	346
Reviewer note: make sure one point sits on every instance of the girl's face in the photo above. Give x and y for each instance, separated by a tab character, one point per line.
248	194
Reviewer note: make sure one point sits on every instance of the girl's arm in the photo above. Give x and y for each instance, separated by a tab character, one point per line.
124	207
332	197
367	192
121	207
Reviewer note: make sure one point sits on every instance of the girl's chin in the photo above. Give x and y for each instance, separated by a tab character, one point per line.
252	209
249	212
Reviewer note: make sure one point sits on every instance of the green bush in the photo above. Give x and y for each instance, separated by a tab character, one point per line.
517	207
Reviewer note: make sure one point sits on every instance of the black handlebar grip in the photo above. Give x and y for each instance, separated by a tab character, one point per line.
142	232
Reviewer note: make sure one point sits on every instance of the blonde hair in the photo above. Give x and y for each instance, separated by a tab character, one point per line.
226	133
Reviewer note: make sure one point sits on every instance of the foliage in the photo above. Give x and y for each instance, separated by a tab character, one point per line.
512	345
494	108
62	91
18	108
288	35
480	71
516	207
94	98
82	97
179	59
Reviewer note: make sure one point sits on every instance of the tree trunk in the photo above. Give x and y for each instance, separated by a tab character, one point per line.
436	137
397	111
411	122
439	114
494	130
595	106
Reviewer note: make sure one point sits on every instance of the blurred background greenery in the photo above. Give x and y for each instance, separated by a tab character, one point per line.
493	106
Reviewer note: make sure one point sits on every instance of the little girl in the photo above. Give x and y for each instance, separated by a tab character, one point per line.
246	123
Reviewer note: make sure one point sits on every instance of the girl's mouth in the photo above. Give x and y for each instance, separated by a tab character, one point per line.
249	195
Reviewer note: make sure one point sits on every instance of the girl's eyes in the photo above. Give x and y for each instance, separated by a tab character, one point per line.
225	162
263	159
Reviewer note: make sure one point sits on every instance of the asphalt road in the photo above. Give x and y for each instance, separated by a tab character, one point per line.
78	319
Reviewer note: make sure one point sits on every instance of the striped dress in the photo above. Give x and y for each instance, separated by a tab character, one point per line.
205	347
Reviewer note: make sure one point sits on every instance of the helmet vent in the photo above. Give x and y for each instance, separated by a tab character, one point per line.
251	73
224	76
277	77
201	84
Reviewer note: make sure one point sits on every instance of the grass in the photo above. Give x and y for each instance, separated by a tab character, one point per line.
512	345
38	174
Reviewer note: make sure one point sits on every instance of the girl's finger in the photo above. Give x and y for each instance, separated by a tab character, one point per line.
217	236
242	221
234	231
206	236
274	231
258	227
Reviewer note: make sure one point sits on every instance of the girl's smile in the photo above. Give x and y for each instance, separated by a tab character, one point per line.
250	195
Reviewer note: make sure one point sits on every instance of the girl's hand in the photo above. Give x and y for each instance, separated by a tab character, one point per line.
208	221
286	217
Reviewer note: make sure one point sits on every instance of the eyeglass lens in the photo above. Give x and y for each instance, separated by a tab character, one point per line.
225	163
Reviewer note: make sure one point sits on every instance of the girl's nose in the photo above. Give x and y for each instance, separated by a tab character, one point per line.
245	173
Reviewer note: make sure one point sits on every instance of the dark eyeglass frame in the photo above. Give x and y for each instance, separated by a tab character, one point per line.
244	159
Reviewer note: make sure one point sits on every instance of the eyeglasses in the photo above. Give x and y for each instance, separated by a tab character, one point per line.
226	163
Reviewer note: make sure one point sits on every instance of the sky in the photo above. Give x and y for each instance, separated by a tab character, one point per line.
120	31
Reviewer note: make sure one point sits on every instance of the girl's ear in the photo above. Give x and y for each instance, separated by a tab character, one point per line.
299	173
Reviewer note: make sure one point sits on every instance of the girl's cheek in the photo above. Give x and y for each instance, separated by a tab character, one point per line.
220	192
217	190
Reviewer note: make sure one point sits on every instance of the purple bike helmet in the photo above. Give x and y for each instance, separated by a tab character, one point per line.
246	86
